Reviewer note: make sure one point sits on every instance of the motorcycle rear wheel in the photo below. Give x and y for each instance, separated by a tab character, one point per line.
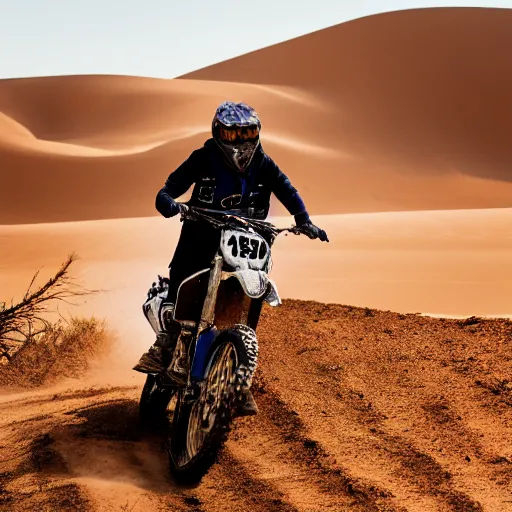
154	402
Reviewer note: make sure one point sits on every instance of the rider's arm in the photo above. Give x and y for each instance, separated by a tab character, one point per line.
178	182
287	194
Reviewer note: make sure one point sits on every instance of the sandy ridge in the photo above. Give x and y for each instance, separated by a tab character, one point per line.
360	410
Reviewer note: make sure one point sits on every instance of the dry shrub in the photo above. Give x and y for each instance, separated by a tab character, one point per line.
34	351
22	322
62	351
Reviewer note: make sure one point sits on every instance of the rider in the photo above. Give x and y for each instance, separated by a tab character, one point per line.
230	171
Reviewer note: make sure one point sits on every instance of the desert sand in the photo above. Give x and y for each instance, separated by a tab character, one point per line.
361	411
454	263
395	129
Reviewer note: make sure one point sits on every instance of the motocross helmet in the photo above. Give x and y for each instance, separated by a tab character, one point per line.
236	130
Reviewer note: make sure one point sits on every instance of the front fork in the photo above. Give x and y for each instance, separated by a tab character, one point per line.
180	367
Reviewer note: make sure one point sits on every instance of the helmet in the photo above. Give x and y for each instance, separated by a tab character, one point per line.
236	130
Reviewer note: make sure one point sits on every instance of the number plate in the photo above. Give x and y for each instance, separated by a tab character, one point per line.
244	250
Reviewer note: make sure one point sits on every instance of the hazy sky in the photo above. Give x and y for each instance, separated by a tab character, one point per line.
164	38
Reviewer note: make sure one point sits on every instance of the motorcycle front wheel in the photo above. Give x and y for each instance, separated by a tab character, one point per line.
200	426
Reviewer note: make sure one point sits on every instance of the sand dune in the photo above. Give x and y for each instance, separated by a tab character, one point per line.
383	126
401	111
424	90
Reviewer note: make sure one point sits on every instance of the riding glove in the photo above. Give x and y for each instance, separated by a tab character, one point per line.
312	231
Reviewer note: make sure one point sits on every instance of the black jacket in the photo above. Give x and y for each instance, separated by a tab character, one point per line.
218	186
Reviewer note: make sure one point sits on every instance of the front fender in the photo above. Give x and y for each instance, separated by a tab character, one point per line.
256	284
253	282
272	295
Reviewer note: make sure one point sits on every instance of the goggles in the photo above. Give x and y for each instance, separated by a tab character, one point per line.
238	134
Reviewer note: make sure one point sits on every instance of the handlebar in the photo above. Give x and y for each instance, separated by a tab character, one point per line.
232	218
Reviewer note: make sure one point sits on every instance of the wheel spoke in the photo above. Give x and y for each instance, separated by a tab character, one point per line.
203	414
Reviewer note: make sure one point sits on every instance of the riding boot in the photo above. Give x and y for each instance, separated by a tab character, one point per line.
153	361
246	406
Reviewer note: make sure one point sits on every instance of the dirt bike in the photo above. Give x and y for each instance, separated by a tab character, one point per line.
214	320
